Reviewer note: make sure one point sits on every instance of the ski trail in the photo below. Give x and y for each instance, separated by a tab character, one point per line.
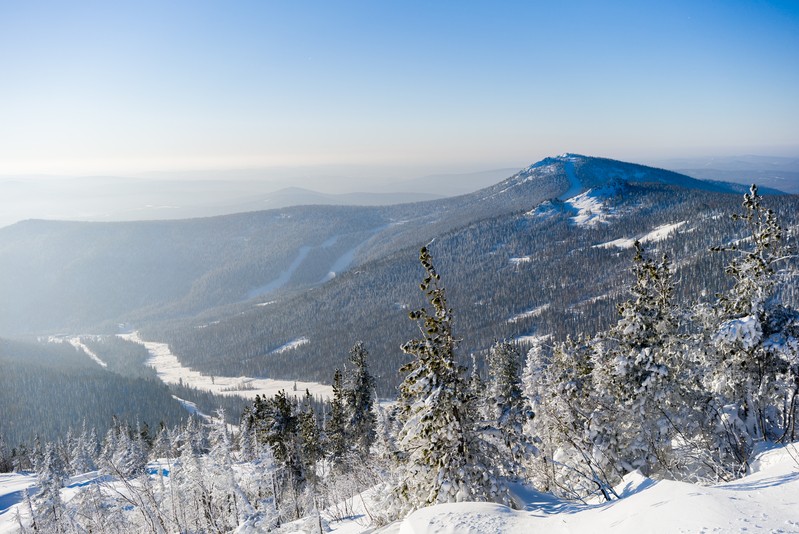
575	186
284	277
78	344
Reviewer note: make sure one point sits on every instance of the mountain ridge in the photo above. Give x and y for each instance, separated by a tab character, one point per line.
333	274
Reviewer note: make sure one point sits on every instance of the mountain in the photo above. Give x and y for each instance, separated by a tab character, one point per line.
536	254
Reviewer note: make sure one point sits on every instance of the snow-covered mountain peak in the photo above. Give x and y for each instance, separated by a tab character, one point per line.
574	174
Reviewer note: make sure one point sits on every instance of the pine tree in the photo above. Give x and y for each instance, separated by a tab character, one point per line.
752	378
335	428
638	374
310	439
360	397
509	410
441	458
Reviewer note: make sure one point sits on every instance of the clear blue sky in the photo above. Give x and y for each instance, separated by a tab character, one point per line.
106	86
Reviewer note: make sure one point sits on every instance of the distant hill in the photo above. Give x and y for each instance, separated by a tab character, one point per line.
768	171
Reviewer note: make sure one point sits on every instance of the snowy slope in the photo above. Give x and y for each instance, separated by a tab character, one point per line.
767	500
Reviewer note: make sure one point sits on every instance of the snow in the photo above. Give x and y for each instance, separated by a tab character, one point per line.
535	312
575	186
13	486
291	345
284	277
78	344
530	340
660	233
744	331
171	371
590	208
764	501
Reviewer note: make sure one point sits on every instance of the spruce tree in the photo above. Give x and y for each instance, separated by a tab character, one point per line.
49	511
638	375
360	401
335	428
508	409
442	460
310	439
6	464
753	376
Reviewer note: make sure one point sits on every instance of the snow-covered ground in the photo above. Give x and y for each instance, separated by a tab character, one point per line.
535	312
575	186
171	371
658	234
766	500
518	261
291	345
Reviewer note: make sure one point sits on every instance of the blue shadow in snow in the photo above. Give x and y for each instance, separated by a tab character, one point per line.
760	484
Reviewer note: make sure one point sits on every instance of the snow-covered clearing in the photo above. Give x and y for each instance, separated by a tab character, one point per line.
284	277
590	208
13	486
531	340
291	345
535	312
658	234
340	264
171	371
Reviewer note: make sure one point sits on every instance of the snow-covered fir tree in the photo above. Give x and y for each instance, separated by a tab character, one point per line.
507	408
360	396
335	426
441	458
752	341
638	374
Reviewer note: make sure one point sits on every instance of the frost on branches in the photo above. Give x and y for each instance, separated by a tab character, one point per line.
752	347
440	455
679	393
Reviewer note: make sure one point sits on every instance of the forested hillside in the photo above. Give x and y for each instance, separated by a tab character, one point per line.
48	388
532	273
539	254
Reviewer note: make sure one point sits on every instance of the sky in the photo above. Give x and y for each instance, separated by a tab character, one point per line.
95	87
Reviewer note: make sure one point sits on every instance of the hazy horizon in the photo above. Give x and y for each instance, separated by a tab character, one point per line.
94	88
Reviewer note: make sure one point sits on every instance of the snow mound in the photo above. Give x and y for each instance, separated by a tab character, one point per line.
763	501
